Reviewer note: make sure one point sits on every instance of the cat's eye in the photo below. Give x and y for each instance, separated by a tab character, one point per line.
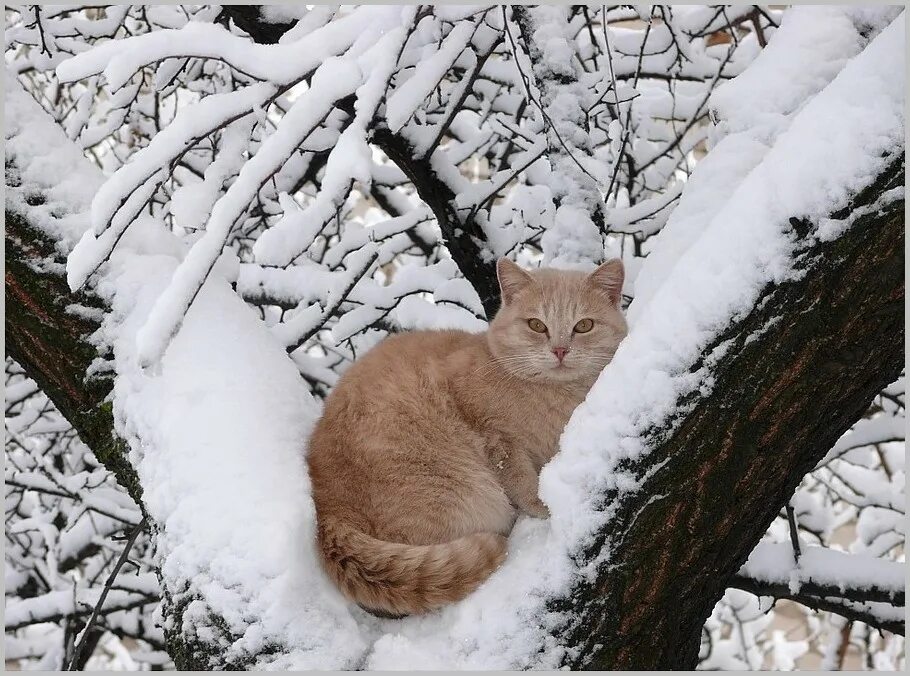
584	326
537	325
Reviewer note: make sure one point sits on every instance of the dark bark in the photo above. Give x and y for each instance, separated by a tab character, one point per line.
831	599
249	19
51	342
802	367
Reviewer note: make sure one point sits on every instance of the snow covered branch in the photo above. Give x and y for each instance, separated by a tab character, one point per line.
49	328
845	602
826	572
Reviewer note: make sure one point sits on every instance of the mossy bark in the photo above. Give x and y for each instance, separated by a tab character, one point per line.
52	342
797	372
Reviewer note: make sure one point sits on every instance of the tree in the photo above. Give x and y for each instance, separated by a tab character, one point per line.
351	173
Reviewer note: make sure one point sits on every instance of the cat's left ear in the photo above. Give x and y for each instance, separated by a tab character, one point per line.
608	278
512	279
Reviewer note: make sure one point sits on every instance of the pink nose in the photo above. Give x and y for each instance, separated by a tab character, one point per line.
560	353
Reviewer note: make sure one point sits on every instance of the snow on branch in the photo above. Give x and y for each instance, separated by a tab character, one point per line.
744	251
820	571
881	615
294	192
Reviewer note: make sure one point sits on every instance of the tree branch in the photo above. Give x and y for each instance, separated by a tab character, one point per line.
829	599
857	594
49	342
782	395
86	631
461	236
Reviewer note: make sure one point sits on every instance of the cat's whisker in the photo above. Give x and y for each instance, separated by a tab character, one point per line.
507	363
490	366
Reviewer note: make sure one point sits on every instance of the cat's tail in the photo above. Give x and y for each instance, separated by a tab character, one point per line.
394	579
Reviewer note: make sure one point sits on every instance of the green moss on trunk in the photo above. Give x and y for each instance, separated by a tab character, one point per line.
53	344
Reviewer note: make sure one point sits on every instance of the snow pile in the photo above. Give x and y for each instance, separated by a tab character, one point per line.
217	437
54	168
809	49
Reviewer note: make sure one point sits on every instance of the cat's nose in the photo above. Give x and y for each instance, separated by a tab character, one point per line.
560	353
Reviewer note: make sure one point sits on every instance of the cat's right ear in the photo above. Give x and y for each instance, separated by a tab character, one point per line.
512	279
608	278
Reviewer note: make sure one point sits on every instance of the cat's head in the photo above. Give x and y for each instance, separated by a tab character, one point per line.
557	325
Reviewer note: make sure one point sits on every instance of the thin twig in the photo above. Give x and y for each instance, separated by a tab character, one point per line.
794	532
124	555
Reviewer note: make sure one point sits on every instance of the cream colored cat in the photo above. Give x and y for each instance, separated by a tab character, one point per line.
430	443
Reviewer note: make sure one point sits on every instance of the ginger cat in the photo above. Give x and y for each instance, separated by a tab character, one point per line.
430	444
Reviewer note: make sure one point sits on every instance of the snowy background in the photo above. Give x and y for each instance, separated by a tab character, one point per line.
255	216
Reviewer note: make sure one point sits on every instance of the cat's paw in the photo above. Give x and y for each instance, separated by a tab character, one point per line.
538	510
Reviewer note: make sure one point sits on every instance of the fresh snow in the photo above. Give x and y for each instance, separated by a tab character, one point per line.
217	437
408	97
775	563
831	147
51	167
810	48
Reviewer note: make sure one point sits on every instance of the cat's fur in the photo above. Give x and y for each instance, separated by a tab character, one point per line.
431	441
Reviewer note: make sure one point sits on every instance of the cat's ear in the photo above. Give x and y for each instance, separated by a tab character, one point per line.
512	279
608	278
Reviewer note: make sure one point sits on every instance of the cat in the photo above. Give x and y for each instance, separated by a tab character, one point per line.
431	443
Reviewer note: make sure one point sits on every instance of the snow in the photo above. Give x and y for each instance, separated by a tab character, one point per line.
281	64
806	53
831	147
334	79
195	456
191	124
55	167
774	563
408	97
876	430
191	204
24	611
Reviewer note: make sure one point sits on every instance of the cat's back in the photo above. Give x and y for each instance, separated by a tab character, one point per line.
425	348
391	409
405	371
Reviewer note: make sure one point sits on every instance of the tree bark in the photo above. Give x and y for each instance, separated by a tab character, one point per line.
802	367
51	341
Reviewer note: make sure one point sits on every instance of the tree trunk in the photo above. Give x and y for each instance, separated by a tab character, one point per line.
52	342
801	369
